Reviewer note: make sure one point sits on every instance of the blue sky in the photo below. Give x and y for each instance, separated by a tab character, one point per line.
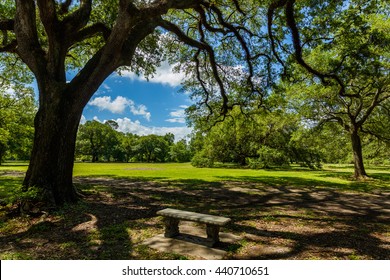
142	107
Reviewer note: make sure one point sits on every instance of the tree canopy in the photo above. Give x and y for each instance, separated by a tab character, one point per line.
232	51
341	69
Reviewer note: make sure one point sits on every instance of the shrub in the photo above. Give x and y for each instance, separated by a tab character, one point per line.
200	160
268	157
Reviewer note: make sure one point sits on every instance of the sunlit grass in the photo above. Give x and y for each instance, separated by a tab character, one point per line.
334	176
339	176
95	228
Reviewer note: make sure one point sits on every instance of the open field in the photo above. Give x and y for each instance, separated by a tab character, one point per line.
279	214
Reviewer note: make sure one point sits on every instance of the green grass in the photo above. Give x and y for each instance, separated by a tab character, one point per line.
294	208
14	166
337	176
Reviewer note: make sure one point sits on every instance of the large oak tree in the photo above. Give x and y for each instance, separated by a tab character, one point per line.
336	55
96	38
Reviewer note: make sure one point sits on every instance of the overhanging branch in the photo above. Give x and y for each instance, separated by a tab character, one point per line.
291	23
90	31
200	45
64	7
29	48
79	18
270	15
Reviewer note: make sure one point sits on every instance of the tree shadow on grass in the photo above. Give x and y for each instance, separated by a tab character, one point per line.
360	186
277	218
93	230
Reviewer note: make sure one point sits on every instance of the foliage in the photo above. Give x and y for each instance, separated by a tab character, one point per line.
260	139
338	70
180	152
97	140
152	148
17	109
102	142
201	160
269	157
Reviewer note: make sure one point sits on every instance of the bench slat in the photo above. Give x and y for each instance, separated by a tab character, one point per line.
195	217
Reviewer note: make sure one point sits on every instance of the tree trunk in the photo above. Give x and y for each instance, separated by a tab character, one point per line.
51	166
360	172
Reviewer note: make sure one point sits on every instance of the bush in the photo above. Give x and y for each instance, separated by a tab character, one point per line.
255	163
268	157
200	160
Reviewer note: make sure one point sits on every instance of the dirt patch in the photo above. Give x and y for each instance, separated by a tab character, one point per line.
12	173
117	215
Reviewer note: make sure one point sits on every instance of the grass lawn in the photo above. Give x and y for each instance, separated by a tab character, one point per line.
279	214
337	176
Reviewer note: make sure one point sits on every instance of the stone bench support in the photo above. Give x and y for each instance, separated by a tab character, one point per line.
172	218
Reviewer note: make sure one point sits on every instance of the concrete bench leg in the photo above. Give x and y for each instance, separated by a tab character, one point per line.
171	227
213	234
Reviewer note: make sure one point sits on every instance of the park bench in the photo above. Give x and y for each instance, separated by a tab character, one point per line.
172	218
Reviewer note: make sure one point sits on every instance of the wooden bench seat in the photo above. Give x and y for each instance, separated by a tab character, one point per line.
172	218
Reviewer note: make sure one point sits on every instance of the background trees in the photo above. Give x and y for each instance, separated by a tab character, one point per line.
259	139
102	142
17	110
99	141
338	68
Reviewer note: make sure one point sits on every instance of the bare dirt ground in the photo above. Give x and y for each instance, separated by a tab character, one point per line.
117	215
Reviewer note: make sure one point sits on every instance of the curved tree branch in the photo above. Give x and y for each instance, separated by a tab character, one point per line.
201	45
238	36
48	16
270	15
29	48
290	18
90	31
64	7
78	19
213	64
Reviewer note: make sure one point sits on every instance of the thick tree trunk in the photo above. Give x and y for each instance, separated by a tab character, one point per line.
51	166
360	172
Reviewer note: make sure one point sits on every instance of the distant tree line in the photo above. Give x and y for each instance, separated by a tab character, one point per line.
102	142
275	138
257	138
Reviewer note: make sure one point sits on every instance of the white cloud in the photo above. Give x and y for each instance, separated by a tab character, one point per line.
176	120
106	87
178	116
119	105
128	126
83	120
116	106
140	110
164	75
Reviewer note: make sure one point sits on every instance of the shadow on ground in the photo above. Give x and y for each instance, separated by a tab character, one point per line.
284	219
